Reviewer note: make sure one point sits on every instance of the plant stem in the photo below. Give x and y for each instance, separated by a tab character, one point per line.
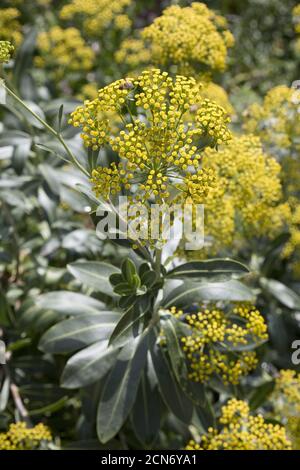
158	254
50	129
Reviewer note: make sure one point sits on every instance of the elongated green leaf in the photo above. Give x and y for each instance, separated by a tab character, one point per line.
24	56
89	365
20	155
190	292
146	411
131	323
69	303
14	138
172	329
174	350
260	394
121	387
94	274
173	396
4	394
75	333
218	269
128	270
282	293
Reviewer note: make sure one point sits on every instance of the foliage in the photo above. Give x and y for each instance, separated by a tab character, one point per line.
136	341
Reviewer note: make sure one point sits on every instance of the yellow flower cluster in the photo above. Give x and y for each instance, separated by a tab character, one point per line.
161	145
248	188
96	15
276	120
62	51
286	402
214	92
287	392
10	27
109	181
214	333
213	119
20	437
6	50
192	38
133	53
239	430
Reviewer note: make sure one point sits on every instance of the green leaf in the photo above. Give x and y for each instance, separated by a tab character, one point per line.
272	256
172	330
24	56
175	352
60	116
89	365
260	394
128	270
69	303
37	110
4	394
282	293
15	138
146	411
115	279
121	387
218	269
94	274
173	396
76	333
130	324
20	154
149	278
123	289
189	292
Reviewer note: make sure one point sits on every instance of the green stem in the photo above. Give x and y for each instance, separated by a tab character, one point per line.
52	131
158	254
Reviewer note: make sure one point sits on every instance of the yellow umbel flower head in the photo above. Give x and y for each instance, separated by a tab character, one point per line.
216	93
62	51
93	16
238	430
20	437
214	333
248	185
10	27
192	38
286	403
276	120
6	50
149	123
